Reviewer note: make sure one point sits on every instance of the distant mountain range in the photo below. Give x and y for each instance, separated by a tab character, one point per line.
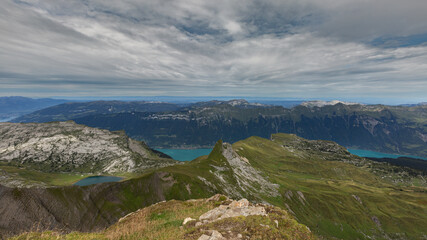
74	110
12	107
390	129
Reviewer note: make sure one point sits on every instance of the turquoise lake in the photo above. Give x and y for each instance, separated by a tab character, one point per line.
97	179
366	153
185	154
190	154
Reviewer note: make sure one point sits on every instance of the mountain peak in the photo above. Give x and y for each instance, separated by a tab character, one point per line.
320	103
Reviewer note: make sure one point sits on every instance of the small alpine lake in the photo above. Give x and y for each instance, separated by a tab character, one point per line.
367	153
185	154
97	179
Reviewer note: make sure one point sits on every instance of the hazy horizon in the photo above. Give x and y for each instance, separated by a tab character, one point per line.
193	99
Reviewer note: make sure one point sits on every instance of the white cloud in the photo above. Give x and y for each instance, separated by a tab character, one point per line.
268	48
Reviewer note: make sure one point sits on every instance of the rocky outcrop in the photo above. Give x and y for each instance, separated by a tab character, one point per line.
237	177
67	146
229	209
246	175
234	209
213	235
233	220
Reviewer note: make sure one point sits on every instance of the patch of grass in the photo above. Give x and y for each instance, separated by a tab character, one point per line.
34	176
50	235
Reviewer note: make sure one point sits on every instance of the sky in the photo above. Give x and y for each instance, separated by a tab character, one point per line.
305	49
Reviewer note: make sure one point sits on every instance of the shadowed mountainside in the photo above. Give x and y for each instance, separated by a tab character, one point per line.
389	129
12	107
69	111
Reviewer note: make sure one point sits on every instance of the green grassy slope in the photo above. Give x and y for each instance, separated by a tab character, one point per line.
333	192
336	194
335	198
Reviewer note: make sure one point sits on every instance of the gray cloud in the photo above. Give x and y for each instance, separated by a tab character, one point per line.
266	48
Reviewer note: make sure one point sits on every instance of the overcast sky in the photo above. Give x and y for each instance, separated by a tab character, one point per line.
359	49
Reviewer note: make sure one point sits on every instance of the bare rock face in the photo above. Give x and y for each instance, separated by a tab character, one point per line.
249	180
235	220
234	209
67	146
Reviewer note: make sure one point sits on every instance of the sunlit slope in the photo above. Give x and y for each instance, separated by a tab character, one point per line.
335	193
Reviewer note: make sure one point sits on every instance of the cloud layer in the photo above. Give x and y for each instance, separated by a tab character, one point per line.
304	48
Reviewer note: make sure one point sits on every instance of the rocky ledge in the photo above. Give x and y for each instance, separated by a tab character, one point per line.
232	220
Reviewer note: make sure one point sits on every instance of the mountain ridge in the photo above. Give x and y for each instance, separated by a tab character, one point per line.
59	147
389	129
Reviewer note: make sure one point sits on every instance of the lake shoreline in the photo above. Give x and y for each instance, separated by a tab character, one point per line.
374	154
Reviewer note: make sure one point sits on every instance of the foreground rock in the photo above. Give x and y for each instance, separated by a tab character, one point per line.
244	220
240	208
213	235
234	209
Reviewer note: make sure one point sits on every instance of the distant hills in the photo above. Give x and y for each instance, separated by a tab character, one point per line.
73	110
11	107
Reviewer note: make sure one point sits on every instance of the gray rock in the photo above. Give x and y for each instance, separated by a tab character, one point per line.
234	209
189	219
198	224
213	235
67	147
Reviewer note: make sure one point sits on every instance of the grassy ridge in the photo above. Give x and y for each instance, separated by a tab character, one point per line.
331	190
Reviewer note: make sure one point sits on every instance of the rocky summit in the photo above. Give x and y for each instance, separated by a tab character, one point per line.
70	147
